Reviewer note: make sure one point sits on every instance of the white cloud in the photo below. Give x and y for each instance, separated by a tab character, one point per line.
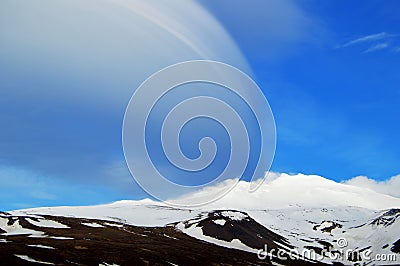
269	30
97	54
390	187
368	38
373	42
376	47
290	190
118	45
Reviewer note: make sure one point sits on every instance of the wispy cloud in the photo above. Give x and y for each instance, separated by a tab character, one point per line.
368	38
372	42
376	47
396	49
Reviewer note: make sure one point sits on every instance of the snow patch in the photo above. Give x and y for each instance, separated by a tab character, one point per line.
114	225
170	237
95	225
41	246
197	232
61	237
221	222
47	223
16	229
26	258
236	216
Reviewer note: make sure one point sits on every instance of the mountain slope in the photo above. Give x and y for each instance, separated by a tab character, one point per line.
305	218
56	240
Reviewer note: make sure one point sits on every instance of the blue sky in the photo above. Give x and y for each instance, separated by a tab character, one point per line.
330	71
335	90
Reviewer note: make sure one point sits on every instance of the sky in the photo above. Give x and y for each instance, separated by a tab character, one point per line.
330	72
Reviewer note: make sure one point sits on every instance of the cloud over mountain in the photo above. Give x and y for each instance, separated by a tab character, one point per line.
390	187
285	190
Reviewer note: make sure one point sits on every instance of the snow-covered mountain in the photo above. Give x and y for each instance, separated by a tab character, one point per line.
291	220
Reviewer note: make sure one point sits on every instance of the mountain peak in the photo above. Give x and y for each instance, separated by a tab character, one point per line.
299	190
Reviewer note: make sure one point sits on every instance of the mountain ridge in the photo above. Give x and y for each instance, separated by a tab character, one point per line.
310	230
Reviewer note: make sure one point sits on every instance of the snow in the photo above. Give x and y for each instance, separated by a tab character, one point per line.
26	258
140	213
297	225
221	222
285	191
23	231
236	216
95	225
114	225
61	237
38	236
41	246
47	223
197	232
16	229
170	237
289	205
328	227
